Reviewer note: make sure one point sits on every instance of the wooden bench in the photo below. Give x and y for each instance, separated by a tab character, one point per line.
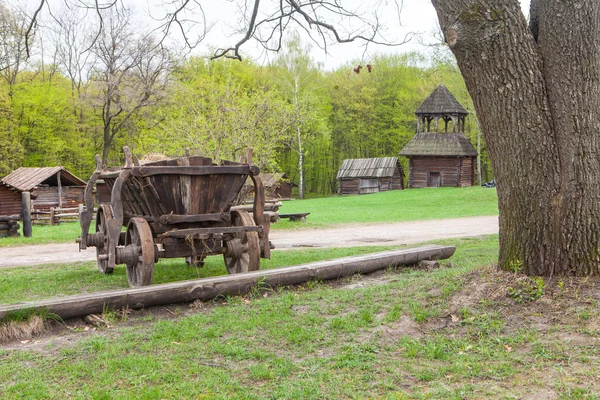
295	217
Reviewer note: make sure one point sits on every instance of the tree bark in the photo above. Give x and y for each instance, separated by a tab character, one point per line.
536	90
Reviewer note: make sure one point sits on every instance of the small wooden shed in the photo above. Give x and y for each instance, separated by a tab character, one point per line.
277	185
370	175
437	156
49	187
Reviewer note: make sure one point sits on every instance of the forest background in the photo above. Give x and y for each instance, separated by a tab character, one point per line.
78	94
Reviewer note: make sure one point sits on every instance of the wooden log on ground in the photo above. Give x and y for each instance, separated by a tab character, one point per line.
273	216
4	226
6	218
249	207
429	264
207	289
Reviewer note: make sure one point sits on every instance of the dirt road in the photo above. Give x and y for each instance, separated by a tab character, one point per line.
347	236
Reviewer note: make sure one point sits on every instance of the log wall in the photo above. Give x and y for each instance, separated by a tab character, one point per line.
10	201
352	185
467	171
9	225
46	197
454	171
283	190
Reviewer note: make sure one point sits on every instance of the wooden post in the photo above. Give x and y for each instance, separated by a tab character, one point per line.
26	206
59	190
52	216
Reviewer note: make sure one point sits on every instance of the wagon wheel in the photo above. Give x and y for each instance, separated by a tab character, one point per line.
102	247
243	250
140	268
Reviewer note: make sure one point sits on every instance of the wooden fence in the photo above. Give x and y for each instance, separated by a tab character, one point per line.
55	216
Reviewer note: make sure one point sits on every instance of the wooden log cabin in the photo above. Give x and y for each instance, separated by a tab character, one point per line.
277	185
370	175
49	187
440	154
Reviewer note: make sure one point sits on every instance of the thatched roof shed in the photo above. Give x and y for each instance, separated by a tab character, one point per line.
370	175
25	178
49	187
277	185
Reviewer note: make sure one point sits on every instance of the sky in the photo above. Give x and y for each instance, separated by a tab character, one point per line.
417	18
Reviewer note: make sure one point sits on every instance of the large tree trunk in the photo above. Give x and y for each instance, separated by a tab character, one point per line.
536	91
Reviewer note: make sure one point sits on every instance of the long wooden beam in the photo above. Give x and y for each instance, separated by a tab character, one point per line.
209	288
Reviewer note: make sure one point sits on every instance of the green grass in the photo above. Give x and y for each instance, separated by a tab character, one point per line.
393	206
313	342
358	338
390	338
43	234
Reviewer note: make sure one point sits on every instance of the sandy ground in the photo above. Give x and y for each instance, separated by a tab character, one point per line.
347	236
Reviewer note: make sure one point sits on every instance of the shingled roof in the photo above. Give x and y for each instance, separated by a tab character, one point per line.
439	144
368	167
441	101
25	178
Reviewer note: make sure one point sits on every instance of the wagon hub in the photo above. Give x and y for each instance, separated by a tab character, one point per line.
234	248
95	239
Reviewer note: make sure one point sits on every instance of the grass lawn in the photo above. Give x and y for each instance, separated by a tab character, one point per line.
447	333
66	232
393	206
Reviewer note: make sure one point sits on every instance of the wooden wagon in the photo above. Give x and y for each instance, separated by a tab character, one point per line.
180	207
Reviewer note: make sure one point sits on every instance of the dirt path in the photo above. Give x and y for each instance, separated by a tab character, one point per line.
347	236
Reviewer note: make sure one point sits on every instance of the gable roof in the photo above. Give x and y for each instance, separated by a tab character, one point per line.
439	144
26	178
441	101
368	167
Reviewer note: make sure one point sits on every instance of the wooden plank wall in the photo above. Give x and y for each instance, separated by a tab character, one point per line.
448	167
10	201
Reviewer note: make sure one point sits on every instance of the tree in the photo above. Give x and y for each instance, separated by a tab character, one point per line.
130	73
13	52
218	109
536	90
299	79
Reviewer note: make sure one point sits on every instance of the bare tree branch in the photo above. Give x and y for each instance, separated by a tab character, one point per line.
32	24
225	52
324	21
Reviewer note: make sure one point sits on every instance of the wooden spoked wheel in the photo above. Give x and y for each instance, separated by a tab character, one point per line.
102	248
140	268
243	253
